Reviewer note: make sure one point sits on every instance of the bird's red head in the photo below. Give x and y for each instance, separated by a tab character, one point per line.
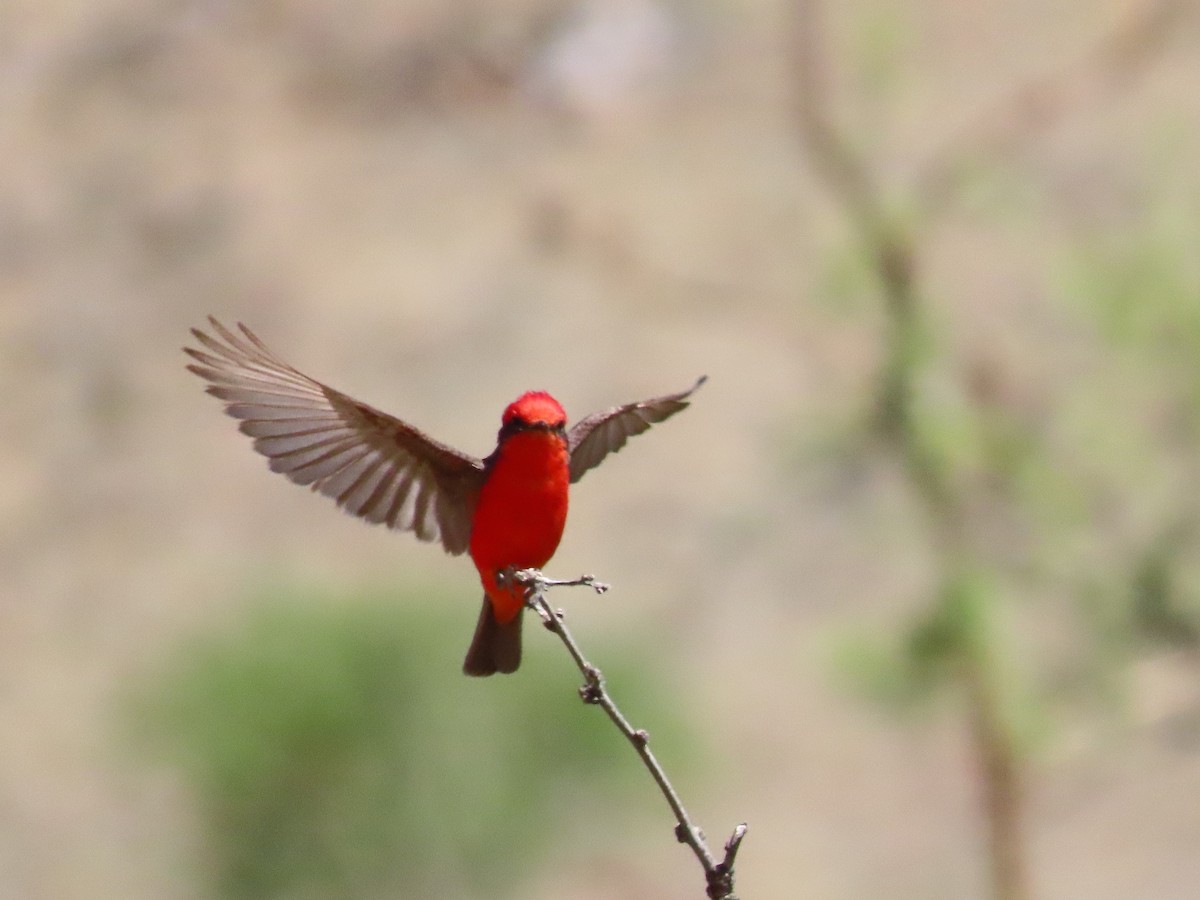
535	408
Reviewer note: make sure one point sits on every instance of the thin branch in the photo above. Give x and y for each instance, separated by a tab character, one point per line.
718	875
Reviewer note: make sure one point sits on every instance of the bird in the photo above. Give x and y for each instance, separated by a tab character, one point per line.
507	510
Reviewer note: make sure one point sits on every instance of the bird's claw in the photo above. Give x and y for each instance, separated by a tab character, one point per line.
536	581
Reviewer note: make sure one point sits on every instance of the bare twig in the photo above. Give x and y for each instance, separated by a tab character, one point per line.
718	875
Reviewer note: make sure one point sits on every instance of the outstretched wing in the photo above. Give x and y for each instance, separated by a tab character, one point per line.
606	432
372	464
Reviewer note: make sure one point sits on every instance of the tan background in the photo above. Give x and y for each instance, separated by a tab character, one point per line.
414	204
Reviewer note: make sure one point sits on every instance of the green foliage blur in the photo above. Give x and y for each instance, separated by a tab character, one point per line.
333	749
1060	522
1010	491
1141	283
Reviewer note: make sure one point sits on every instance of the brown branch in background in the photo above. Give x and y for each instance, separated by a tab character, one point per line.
1033	108
1022	115
892	250
837	162
1002	784
718	875
891	245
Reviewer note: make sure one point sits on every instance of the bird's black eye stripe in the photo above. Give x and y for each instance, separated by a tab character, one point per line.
513	426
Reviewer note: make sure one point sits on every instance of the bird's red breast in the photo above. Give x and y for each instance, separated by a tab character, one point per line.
522	505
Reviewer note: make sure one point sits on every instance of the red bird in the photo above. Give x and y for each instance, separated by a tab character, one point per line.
506	510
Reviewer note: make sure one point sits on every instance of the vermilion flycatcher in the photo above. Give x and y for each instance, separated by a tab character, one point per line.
507	510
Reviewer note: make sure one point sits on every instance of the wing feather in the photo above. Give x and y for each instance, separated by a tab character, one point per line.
371	464
606	432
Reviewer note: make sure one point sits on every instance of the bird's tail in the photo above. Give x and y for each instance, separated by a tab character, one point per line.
496	647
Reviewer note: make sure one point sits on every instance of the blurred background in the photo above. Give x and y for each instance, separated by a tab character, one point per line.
913	587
